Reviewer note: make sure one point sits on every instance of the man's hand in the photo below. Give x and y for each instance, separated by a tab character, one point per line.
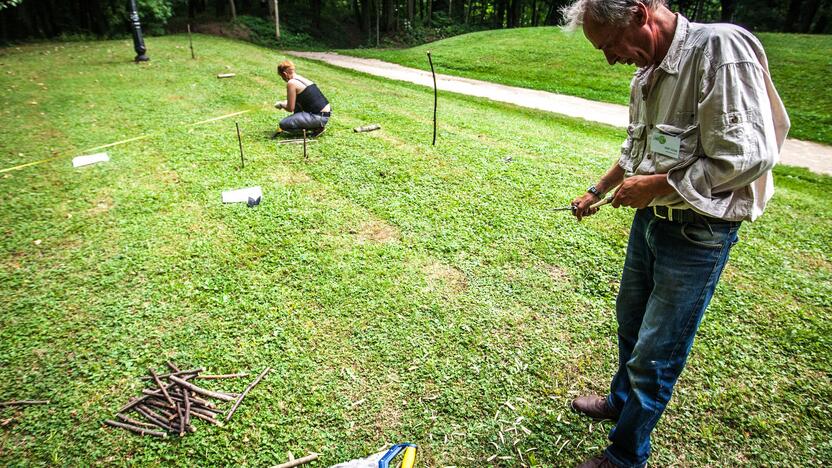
582	204
639	191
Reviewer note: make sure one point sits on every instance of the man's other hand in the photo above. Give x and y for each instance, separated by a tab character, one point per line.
639	191
582	206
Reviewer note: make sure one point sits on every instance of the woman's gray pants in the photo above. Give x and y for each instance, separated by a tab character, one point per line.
303	121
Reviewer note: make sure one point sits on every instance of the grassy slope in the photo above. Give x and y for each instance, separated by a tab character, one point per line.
548	59
400	291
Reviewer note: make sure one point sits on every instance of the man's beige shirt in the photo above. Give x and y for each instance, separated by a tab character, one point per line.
713	91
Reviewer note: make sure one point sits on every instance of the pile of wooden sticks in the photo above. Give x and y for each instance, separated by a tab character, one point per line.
173	402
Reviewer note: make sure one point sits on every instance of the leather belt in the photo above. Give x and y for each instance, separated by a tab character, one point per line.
683	216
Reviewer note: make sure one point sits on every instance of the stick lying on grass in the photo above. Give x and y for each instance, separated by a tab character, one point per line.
245	392
23	403
171	403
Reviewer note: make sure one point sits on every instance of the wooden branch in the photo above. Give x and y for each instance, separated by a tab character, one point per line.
205	412
181	414
207	418
178	374
23	403
153	417
200	390
187	421
133	402
245	392
136	429
221	376
172	366
298	462
161	386
134	422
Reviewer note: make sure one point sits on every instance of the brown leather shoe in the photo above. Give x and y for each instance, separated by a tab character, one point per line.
601	461
595	407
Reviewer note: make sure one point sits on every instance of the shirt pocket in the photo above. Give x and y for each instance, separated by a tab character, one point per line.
632	151
688	146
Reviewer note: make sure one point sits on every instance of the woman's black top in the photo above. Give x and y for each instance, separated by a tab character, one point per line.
311	100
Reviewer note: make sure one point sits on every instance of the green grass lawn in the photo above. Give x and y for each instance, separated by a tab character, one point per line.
551	60
400	292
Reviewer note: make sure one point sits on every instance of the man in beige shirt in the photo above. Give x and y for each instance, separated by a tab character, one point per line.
706	127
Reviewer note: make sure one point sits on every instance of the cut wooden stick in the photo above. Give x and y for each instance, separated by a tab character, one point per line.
221	376
178	374
172	366
298	461
161	386
245	392
23	402
136	429
187	408
180	413
207	418
200	390
134	422
295	141
132	403
153	417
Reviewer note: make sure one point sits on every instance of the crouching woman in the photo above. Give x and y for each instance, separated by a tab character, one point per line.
309	107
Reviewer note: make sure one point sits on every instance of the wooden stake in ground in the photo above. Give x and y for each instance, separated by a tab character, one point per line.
191	42
240	141
245	392
304	144
435	97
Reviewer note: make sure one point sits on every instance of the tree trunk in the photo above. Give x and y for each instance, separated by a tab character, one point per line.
316	14
792	15
410	12
514	13
276	20
729	7
429	16
233	10
534	12
808	16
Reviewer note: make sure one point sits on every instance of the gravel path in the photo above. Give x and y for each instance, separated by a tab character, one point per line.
813	156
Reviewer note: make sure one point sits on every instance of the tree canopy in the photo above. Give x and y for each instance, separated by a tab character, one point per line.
359	22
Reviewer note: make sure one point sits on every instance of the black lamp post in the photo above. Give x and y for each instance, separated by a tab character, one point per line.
138	40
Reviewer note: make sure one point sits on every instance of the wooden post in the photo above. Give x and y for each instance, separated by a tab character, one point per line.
191	42
304	144
435	97
240	141
276	20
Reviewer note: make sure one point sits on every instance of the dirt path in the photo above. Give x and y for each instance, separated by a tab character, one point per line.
813	156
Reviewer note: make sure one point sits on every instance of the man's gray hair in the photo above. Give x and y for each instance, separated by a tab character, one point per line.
614	12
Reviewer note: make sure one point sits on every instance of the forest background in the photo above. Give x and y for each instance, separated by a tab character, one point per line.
312	24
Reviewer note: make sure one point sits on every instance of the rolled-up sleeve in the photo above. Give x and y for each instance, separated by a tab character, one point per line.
737	138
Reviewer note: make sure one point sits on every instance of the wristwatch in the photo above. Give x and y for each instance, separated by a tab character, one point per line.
595	191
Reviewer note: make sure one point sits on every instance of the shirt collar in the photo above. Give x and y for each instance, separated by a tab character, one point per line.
670	63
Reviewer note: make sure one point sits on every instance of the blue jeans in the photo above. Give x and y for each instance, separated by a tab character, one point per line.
669	277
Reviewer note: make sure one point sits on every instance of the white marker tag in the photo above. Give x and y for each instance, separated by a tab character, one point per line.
241	195
666	145
79	161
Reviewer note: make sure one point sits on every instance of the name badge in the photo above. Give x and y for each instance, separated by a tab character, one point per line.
666	145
